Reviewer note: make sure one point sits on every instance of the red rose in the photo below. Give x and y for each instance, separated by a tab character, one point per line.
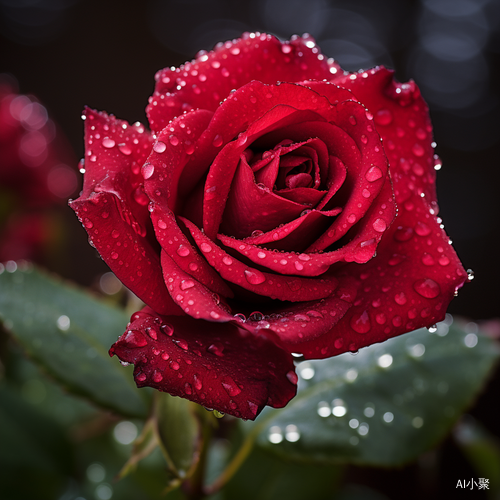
262	221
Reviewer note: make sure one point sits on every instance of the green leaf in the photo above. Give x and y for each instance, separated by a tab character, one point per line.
385	405
68	333
482	450
179	432
266	477
32	446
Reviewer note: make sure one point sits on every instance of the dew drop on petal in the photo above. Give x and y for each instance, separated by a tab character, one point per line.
373	174
383	117
108	143
292	377
147	170
125	149
380	225
361	322
160	147
183	251
403	233
427	288
254	277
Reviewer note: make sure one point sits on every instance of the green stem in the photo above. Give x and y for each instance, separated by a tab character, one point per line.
194	486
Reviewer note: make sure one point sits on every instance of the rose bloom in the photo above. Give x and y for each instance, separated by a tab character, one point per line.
280	205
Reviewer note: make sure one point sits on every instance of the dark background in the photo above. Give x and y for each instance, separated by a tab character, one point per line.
71	53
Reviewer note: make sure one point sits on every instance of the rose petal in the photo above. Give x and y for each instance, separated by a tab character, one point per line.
416	272
194	298
274	286
300	327
222	170
216	365
179	249
244	107
171	157
209	79
402	120
251	207
113	207
408	285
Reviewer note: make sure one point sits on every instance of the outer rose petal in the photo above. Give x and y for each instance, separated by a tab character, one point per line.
214	364
113	207
416	271
210	78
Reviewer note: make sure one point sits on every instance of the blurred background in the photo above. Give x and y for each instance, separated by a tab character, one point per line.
71	53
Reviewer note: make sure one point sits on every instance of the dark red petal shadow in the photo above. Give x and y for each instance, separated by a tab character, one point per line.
216	365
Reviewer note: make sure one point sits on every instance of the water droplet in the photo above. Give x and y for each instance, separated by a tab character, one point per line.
351	218
159	147
125	149
339	408
364	139
470	340
218	414
380	225
432	328
384	361
254	277
183	251
63	323
427	288
88	224
275	435
400	298
363	429
174	365
351	375
403	233
231	388
422	229
216	348
324	409
306	371
205	247
470	274
186	284
354	423
108	143
369	410
427	259
418	150
417	422
157	376
352	120
292	377
174	140
218	141
373	174
383	117
361	322
134	338
388	417
292	433
147	170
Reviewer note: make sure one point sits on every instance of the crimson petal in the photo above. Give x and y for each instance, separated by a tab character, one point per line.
274	286
209	79
113	206
216	365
